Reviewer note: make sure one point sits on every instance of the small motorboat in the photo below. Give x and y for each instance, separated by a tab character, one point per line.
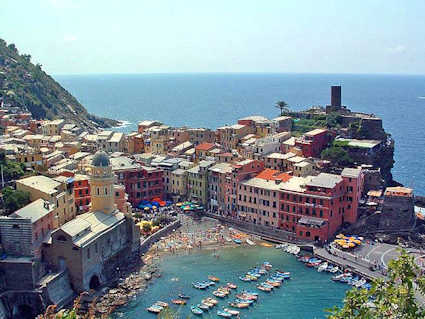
219	294
322	267
182	296
209	304
161	304
244	278
247	296
240	305
251	277
179	302
196	311
250	242
203	306
199	285
213	278
265	289
250	292
232	312
334	270
264	284
237	241
224	314
155	309
248	301
211	300
231	285
273	283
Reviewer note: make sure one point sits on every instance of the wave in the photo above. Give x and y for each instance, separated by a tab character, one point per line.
122	123
421	97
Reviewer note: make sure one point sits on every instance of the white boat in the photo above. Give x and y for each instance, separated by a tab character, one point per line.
359	283
296	250
250	242
322	267
334	270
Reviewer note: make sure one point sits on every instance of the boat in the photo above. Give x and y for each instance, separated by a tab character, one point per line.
196	311
264	284
231	285
334	270
237	241
232	311
246	296
211	300
250	292
251	277
182	296
273	283
240	305
155	309
161	304
267	265
322	267
244	278
213	278
219	294
203	306
248	301
265	289
178	301
250	242
224	314
359	283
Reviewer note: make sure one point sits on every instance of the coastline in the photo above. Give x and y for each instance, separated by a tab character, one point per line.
139	279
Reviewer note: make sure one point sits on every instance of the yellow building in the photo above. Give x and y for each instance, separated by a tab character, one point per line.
31	159
58	191
178	184
51	128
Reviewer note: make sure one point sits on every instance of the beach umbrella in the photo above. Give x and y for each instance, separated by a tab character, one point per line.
340	236
146	208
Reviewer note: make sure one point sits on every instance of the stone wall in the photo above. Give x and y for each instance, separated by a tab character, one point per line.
58	290
16	236
156	236
16	275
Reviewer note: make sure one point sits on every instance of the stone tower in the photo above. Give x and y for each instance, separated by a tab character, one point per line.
102	184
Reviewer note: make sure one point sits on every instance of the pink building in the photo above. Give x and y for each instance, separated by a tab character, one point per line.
241	171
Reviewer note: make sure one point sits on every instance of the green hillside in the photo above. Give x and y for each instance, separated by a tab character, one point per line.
27	86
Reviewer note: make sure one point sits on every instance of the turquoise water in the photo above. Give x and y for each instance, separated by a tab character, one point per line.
305	296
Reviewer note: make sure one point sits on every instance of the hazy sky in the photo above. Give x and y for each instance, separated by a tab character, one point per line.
123	36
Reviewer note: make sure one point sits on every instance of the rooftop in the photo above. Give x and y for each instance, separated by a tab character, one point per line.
204	147
351	172
325	180
86	227
271	174
124	163
399	191
35	210
45	184
316	131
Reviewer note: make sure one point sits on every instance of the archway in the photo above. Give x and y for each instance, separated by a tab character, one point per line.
23	312
94	282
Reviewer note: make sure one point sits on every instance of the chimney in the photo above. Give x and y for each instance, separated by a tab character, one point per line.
336	95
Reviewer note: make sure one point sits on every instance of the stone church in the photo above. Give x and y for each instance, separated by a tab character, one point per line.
93	245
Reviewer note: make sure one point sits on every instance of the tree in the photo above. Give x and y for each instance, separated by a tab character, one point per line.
337	155
394	298
283	107
14	199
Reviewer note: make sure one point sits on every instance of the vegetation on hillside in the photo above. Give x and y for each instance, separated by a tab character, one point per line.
337	155
25	85
394	298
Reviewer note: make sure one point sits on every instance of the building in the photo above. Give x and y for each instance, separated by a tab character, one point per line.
178	184
51	128
230	136
136	144
313	142
202	150
141	182
58	192
217	175
198	182
95	244
82	192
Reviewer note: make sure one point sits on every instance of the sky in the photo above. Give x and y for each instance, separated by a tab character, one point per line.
159	36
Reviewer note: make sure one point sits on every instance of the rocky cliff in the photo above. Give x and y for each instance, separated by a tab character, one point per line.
27	86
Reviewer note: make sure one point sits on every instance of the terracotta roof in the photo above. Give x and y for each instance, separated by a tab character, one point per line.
204	147
271	174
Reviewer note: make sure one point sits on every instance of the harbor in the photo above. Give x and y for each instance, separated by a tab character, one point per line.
180	272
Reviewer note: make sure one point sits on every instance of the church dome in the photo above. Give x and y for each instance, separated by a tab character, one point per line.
100	159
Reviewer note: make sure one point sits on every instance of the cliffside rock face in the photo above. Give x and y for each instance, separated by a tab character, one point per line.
25	85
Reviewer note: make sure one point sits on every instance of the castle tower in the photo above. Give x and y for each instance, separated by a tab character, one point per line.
102	184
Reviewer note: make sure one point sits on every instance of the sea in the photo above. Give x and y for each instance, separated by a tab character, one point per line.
213	100
306	295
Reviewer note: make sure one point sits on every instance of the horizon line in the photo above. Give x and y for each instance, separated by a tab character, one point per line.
234	73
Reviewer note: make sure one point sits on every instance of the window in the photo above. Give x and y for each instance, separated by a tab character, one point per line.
307	234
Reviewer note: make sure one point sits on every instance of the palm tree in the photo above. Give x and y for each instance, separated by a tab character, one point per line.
283	107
